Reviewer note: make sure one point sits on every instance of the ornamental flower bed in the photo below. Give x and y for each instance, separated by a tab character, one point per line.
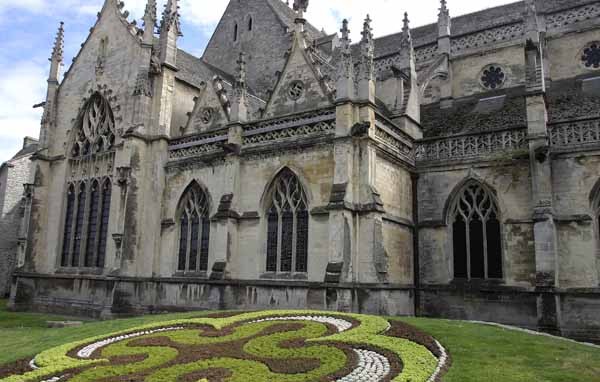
270	346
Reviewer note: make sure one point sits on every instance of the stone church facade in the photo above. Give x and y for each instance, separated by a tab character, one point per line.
450	170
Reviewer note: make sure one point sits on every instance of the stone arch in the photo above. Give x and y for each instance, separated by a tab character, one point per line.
94	130
474	221
454	194
267	192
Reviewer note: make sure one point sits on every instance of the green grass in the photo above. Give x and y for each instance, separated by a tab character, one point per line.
479	353
26	334
484	353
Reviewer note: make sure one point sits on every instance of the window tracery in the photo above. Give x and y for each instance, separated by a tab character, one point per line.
493	77
287	231
476	234
591	55
296	90
95	130
194	231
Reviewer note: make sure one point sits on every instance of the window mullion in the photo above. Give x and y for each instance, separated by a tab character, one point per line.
468	245
294	239
279	239
485	250
188	244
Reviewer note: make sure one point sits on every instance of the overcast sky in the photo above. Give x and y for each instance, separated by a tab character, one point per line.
28	28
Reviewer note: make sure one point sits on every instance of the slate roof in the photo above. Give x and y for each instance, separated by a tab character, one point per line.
288	16
470	23
484	112
574	99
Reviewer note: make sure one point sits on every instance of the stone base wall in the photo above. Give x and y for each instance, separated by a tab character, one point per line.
102	297
576	311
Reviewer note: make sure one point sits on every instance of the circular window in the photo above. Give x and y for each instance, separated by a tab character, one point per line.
493	77
296	90
591	56
206	115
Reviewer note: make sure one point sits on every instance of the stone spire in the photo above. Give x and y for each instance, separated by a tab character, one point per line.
345	69
444	20
239	106
366	80
149	21
56	60
170	31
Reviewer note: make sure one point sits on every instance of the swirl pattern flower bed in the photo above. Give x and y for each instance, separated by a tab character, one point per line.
272	346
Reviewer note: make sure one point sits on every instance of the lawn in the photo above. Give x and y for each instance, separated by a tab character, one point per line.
479	353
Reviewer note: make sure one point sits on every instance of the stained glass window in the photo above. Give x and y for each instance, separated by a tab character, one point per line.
476	234
104	220
194	232
287	227
68	228
79	221
92	225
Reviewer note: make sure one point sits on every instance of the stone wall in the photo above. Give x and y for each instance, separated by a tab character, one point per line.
13	175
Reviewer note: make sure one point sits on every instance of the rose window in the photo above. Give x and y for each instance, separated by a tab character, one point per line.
296	90
591	56
493	77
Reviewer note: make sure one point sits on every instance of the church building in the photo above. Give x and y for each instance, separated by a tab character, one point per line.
450	170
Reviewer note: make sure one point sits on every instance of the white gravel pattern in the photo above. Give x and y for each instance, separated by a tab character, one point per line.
372	367
341	325
442	361
87	351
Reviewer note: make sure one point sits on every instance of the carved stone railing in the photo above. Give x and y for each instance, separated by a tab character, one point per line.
196	145
563	18
472	145
394	138
575	134
487	37
301	125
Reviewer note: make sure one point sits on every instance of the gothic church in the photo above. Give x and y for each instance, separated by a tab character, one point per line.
452	170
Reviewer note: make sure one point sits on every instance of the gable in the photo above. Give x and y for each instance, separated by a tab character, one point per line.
264	45
211	108
300	86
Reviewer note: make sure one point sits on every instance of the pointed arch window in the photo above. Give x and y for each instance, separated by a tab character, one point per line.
92	230
85	231
250	24
194	231
287	221
476	234
104	220
95	128
235	32
79	221
68	227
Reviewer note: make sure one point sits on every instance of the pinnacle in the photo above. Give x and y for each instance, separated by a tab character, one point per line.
59	44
